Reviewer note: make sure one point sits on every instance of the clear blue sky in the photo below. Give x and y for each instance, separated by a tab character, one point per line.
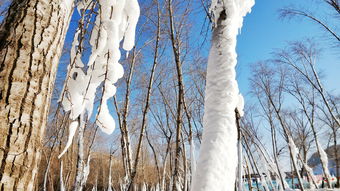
263	32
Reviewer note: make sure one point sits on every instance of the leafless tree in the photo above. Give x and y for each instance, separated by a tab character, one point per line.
271	85
301	59
289	12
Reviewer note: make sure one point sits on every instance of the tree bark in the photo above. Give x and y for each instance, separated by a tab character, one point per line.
176	50
239	179
31	42
250	187
78	182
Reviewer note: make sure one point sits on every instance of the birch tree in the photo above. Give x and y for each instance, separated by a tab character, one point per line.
31	41
175	42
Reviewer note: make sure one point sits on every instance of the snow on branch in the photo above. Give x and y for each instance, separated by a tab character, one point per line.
116	21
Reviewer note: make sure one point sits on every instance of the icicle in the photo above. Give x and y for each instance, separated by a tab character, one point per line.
72	131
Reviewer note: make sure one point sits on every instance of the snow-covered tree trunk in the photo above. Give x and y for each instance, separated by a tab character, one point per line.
310	173
294	154
61	178
324	163
31	41
78	186
216	168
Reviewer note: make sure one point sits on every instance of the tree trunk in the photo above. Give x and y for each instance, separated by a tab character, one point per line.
155	158
248	176
125	129
252	166
216	167
31	42
252	160
78	182
274	146
180	99
239	152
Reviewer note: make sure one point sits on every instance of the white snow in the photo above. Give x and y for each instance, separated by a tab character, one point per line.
294	149
324	162
86	170
133	12
216	168
240	105
192	156
61	178
116	21
143	187
72	131
311	174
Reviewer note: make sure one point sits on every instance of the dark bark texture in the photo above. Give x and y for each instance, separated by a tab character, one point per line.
31	42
